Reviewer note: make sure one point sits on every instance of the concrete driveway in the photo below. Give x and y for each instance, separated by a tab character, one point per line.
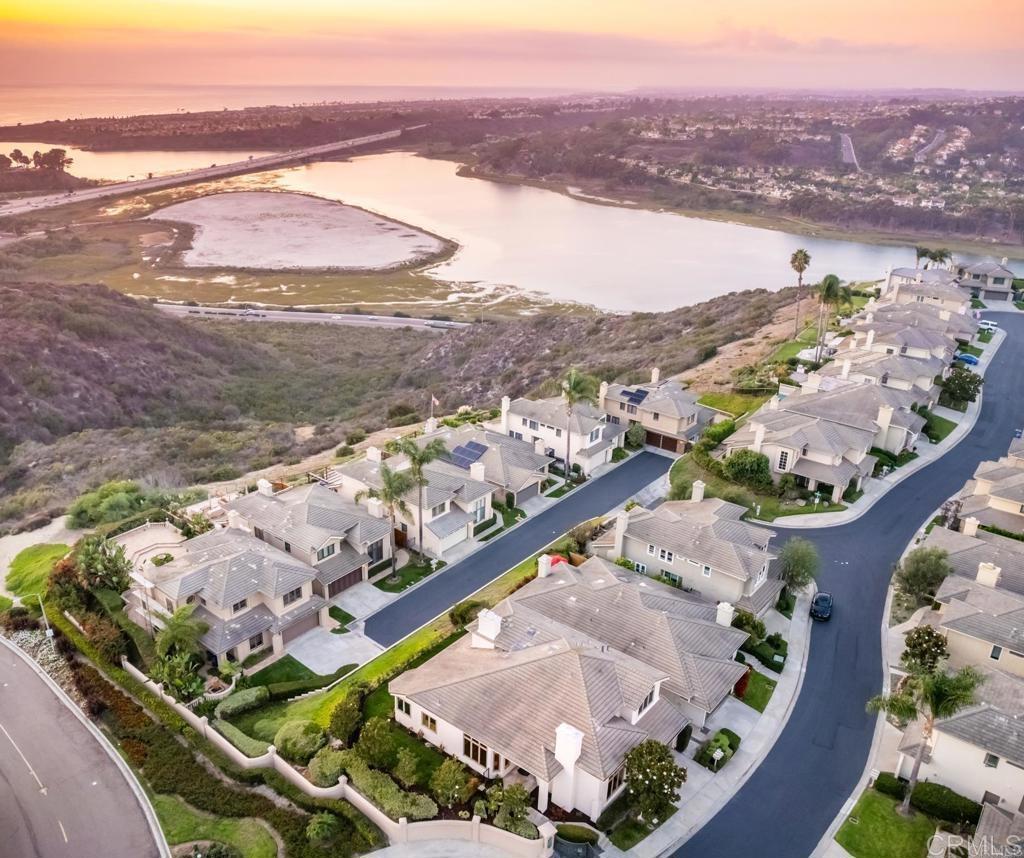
324	652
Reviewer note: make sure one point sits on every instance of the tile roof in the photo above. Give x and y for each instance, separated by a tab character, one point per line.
666	397
552	411
509	463
998	831
966	552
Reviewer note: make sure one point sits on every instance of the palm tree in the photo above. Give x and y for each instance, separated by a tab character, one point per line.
419	457
394	486
576	388
830	292
928	697
919	254
181	633
940	256
799	262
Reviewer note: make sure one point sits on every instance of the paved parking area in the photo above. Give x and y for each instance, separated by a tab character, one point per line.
324	652
363	599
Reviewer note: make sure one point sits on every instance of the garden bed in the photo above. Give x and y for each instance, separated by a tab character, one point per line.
344	618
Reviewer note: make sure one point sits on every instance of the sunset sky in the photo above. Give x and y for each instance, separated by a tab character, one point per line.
558	43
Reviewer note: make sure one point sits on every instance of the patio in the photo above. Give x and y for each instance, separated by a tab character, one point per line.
145	542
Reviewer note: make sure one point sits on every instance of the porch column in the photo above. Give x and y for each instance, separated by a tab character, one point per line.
542	795
837	494
278	643
812	485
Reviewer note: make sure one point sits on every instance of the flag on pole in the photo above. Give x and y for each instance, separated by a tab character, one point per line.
434	400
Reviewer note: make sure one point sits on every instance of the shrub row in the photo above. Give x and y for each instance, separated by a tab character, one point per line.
297	741
888	784
326	767
379	788
246	744
935	800
294	687
242	701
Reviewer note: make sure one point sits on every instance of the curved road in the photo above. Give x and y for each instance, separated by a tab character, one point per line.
792	797
61	796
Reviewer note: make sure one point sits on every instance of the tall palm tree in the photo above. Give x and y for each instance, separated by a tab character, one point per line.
576	388
418	458
799	262
181	633
928	697
830	293
394	486
919	254
939	256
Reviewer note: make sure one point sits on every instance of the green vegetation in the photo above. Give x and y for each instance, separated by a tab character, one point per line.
578	833
978	304
936	428
408	575
733	403
341	616
184	824
630	831
971	350
875	829
28	571
285	669
759	691
986	336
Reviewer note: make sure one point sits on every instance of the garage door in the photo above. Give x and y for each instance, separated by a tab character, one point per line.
530	491
300	627
997	296
344	582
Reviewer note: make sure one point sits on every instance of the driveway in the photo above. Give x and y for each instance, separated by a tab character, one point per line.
60	794
453	583
324	652
793	796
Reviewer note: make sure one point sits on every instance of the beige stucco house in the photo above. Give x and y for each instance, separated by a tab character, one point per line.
915	376
990	281
994	497
934	287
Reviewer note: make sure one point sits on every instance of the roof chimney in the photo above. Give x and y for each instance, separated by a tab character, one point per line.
568	746
845	368
870	341
602	394
697	491
988	574
488	627
920	277
884	419
375	507
655	375
373	454
759	430
539	447
506	404
265	488
1005	261
621	523
236	520
544	566
724	614
476	471
969	526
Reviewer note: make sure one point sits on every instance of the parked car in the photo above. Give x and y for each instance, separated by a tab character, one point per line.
821	606
987	325
963	357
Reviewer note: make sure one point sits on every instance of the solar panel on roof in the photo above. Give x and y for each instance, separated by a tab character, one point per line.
476	447
464	456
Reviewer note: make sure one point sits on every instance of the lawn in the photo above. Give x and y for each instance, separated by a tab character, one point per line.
563	489
182	824
971	350
285	669
759	691
29	570
631	831
986	336
685	471
875	830
407	576
937	428
978	304
343	617
733	403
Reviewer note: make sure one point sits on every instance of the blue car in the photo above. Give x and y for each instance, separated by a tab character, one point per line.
970	360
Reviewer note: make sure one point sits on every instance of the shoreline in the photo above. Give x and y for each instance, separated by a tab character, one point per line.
776	223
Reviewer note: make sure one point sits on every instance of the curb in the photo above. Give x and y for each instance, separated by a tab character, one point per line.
963	429
140	795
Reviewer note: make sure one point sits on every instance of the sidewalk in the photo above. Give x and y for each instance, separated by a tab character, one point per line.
705	793
877	487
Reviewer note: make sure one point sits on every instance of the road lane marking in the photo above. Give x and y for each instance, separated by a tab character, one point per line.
62	831
24	759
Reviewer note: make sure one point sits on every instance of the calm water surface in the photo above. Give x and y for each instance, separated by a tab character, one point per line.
614	257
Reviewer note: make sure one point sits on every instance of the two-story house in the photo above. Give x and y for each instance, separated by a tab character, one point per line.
960	326
990	281
334	536
666	409
455	498
587	434
994	497
935	287
538	687
915	376
701	545
251	595
894	337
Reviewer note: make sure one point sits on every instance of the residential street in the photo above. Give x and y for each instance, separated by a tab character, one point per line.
443	589
61	796
793	796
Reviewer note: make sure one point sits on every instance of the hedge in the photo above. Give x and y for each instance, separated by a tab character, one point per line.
295	687
942	803
379	788
733	739
326	767
297	741
888	784
242	701
246	744
720	741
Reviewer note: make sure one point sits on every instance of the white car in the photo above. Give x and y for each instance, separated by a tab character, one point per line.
986	325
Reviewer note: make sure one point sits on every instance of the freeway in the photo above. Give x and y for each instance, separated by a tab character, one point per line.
26	205
261	315
60	794
793	796
451	585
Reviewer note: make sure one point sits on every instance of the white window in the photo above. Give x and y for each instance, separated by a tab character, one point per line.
647	701
991	761
325	552
239	606
558	433
403	705
533	424
783	459
615	782
651	550
256	641
996	652
293	595
706	571
595	434
665	555
641	568
440	509
429	722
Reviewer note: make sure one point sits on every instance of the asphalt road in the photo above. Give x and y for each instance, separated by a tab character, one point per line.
25	205
308	317
451	585
87	809
792	797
